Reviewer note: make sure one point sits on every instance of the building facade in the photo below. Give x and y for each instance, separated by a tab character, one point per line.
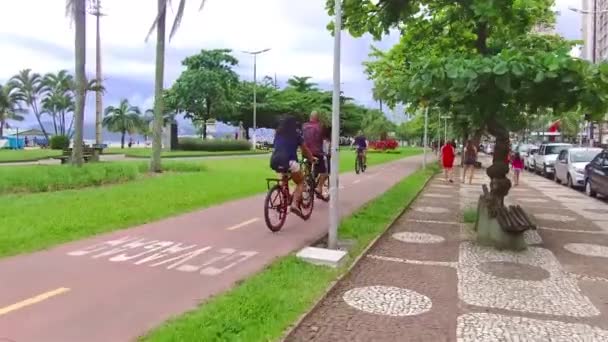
600	31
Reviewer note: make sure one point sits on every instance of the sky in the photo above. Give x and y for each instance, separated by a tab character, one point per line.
36	34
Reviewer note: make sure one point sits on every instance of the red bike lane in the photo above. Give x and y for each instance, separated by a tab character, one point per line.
117	286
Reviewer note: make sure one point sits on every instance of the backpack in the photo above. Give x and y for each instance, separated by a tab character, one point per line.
279	161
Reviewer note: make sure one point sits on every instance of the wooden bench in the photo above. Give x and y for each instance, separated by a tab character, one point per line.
88	153
503	227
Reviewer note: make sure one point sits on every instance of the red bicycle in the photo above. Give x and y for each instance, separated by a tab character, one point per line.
279	199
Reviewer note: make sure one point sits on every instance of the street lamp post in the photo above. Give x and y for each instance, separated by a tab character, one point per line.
426	126
334	218
594	12
445	118
255	127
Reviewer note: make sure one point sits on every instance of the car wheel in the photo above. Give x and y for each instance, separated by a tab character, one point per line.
589	189
556	179
569	181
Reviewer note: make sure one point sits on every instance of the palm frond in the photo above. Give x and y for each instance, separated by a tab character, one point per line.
161	13
178	18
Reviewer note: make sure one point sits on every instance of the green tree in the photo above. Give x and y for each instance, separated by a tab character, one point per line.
27	86
58	100
123	119
208	87
301	83
477	58
159	26
10	108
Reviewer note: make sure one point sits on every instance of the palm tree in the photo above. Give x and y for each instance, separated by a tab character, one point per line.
76	9
9	107
159	26
123	119
301	84
28	88
58	99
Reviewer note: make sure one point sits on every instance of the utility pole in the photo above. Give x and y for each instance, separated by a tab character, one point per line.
255	84
426	138
95	10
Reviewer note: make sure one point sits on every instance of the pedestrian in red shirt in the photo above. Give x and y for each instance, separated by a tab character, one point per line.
518	165
448	154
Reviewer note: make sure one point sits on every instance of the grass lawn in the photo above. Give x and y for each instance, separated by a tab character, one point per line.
146	152
262	307
7	156
43	178
30	222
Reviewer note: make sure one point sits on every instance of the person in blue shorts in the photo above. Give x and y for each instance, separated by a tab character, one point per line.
284	159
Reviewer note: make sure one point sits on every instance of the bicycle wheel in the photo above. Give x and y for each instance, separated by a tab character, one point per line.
308	199
325	190
275	208
363	165
358	164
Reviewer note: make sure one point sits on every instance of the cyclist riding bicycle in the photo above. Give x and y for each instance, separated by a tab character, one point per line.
284	158
313	138
361	144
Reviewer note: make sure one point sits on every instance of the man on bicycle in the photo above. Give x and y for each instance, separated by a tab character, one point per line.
313	139
284	158
361	143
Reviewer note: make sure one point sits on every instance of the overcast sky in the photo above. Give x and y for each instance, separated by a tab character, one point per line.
36	34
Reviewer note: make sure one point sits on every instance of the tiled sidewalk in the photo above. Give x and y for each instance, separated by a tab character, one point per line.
426	280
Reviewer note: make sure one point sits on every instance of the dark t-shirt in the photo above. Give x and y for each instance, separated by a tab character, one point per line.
288	146
360	142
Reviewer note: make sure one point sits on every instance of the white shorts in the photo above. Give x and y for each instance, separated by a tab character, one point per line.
294	166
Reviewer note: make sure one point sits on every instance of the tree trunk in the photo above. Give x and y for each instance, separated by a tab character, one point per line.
98	94
499	184
155	162
37	115
204	129
80	62
1	129
55	123
122	140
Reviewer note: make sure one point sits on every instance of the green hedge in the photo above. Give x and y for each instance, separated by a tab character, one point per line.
59	142
195	144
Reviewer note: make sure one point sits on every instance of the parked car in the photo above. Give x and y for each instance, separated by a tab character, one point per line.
596	175
570	165
544	161
524	149
529	160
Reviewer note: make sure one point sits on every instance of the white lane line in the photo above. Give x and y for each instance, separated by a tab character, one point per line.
243	224
33	300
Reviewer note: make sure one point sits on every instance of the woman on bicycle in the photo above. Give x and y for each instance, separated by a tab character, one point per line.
284	158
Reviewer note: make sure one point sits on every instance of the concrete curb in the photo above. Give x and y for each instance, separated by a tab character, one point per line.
333	284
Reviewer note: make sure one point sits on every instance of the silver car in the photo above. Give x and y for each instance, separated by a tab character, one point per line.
570	165
544	160
529	160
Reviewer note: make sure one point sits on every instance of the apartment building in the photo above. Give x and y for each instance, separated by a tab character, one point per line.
601	30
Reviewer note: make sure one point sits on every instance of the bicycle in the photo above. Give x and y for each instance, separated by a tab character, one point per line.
359	164
313	179
280	192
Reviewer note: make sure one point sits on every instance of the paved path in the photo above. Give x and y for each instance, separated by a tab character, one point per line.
117	286
425	280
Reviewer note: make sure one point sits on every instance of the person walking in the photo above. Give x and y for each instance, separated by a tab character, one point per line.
448	154
517	164
470	158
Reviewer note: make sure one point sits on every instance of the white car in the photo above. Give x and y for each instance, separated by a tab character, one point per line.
570	165
529	159
544	161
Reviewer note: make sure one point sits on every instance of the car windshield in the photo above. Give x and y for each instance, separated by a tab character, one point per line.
555	149
534	151
583	156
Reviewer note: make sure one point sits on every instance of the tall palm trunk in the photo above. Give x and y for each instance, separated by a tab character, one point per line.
80	62
1	129
122	139
155	162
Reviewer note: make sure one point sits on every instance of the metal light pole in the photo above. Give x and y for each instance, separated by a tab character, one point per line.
334	214
96	11
426	126
445	118
255	83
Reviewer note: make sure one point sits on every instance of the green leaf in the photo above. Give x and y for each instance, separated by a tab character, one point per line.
517	69
452	71
540	76
501	68
504	83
